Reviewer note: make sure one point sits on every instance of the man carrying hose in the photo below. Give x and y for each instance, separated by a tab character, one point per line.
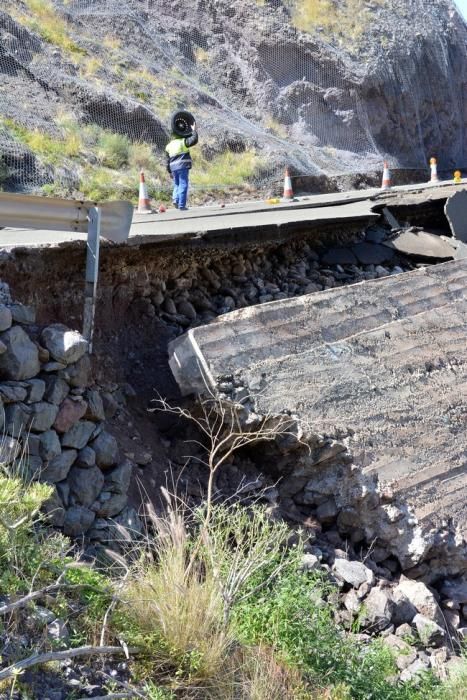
179	164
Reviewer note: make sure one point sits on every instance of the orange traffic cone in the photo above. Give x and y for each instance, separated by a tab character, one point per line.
457	177
434	170
386	184
288	191
144	206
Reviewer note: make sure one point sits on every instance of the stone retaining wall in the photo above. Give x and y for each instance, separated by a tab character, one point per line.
53	422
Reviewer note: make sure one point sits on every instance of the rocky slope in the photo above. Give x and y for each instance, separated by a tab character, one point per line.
271	82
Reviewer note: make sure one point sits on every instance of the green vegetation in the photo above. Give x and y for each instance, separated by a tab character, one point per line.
43	19
107	164
229	168
218	608
348	19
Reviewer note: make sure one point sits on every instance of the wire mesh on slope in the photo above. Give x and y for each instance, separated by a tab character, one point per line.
265	93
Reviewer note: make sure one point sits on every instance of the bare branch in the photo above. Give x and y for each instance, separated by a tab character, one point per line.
64	655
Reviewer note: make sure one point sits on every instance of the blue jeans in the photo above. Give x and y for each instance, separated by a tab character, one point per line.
180	191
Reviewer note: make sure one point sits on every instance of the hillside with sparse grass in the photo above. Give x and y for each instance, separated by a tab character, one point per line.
328	87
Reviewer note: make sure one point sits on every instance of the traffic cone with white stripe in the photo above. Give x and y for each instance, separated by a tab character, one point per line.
386	184
144	206
288	191
434	170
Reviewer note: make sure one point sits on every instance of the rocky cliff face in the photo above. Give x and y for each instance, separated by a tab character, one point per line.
271	82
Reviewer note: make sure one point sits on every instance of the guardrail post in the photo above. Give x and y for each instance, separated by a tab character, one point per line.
92	273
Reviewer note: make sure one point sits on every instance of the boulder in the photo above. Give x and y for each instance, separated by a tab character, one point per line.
63	344
70	411
49	445
431	634
21	358
17	419
85	485
5	318
57	469
353	572
20	313
404	610
78	436
35	390
78	374
11	392
118	480
109	505
418	667
377	610
95	406
43	415
54	510
455	591
56	389
86	458
404	654
420	596
106	448
77	521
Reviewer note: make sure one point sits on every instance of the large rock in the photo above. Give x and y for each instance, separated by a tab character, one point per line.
95	409
43	415
455	591
69	413
5	318
109	505
78	436
377	608
11	392
58	468
353	572
21	358
118	480
78	374
422	599
17	419
56	389
49	445
431	634
63	344
35	390
85	485
23	314
54	509
77	521
106	448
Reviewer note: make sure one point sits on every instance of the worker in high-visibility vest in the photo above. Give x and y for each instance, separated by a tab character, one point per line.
179	164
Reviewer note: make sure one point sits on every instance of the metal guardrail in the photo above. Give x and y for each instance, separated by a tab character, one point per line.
53	214
110	220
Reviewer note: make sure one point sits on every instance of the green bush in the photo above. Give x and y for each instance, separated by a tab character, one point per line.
113	150
291	616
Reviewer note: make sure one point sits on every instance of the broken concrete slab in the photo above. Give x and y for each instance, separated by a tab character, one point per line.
372	253
384	361
421	244
339	256
456	213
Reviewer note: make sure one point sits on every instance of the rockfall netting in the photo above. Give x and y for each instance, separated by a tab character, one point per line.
328	87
